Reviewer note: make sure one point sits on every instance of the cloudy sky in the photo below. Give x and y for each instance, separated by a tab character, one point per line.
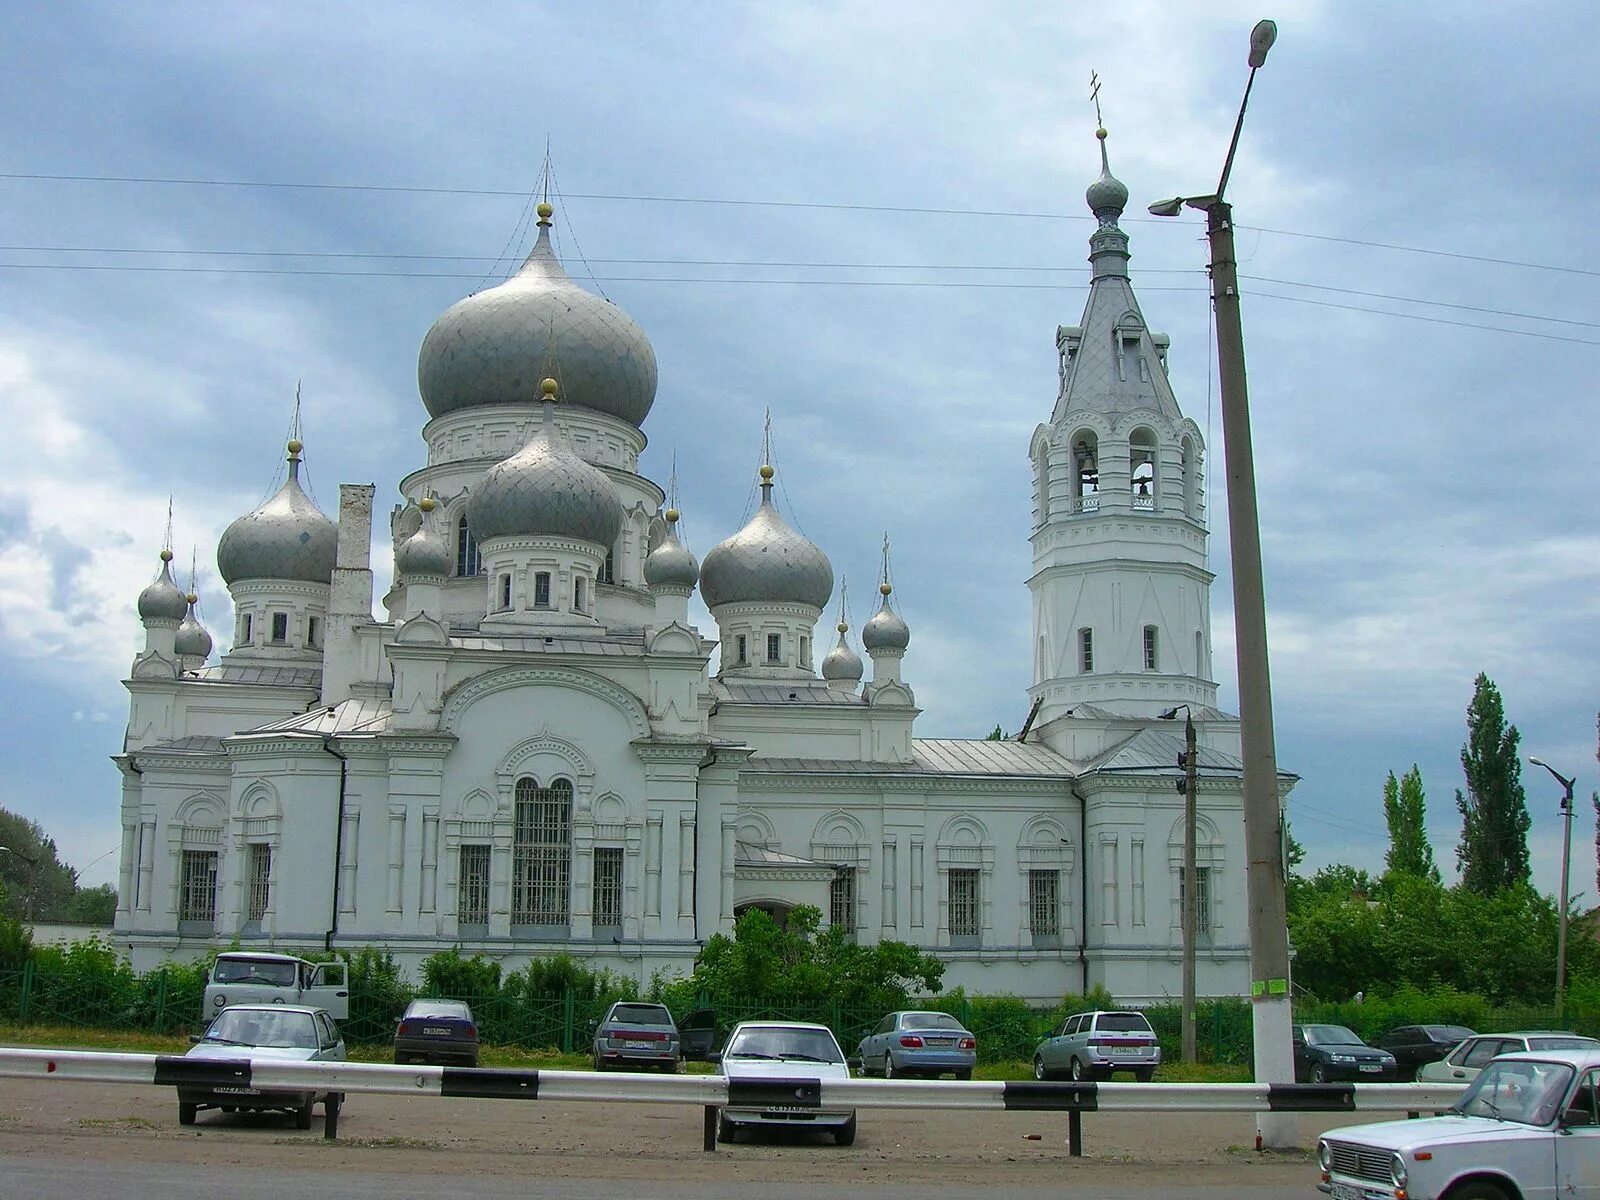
869	219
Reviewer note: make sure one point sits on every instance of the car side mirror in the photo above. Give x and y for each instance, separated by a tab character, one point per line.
196	1038
853	1063
714	1056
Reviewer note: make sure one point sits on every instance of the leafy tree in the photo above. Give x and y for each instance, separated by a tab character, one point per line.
1493	854
996	735
92	906
1405	811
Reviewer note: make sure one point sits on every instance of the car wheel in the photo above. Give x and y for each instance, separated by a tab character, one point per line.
888	1066
302	1115
726	1130
186	1113
845	1135
1145	1074
1319	1073
1079	1072
964	1073
1481	1190
1039	1071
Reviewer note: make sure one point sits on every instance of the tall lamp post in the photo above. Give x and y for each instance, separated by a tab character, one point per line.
1188	785
1566	862
1263	818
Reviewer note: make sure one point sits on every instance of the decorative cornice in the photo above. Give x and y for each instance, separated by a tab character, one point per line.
467	693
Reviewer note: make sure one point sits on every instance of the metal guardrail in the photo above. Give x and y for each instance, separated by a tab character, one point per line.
714	1091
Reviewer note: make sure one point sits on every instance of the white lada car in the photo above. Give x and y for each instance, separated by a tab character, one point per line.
1528	1128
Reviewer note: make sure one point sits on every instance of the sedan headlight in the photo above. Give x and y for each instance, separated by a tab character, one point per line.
1324	1155
1343	1058
219	1000
1397	1169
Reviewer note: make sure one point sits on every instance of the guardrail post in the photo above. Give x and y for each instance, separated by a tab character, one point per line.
1075	1134
711	1128
330	1116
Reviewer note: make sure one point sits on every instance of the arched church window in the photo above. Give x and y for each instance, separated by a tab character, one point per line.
541	853
467	560
1086	474
608	569
1041	485
1190	480
1142	468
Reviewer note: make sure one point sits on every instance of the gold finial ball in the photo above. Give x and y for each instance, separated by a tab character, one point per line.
672	515
884	589
427	504
767	472
843	627
545	209
294	446
166	556
1100	133
192	598
548	387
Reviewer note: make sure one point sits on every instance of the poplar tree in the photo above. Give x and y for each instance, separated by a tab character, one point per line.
1493	854
1405	810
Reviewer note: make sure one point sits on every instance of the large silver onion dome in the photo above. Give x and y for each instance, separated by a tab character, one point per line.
766	561
192	641
496	346
886	630
671	564
163	600
842	662
286	538
545	489
424	552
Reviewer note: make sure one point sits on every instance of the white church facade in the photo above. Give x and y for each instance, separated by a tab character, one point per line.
532	750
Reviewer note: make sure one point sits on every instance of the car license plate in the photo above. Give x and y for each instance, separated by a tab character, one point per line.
1347	1191
230	1091
435	1031
636	1045
1371	1067
941	1041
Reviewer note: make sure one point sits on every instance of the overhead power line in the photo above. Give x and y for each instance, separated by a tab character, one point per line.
522	193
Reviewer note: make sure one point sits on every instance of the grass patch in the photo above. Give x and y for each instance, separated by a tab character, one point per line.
71	1037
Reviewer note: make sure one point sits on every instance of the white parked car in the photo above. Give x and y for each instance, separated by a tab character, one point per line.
262	1033
758	1051
1527	1126
1473	1054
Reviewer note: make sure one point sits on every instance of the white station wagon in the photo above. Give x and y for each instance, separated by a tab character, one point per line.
1528	1127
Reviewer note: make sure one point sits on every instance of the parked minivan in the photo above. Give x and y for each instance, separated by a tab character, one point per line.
258	977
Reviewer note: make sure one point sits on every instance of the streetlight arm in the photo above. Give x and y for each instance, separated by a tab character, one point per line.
1233	146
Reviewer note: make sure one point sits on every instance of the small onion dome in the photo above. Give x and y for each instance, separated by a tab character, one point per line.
192	641
767	561
494	347
423	553
1108	195
671	564
545	489
286	538
842	662
886	630
163	600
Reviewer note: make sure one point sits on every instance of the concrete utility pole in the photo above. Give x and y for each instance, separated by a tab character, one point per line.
1566	864
1263	817
1188	785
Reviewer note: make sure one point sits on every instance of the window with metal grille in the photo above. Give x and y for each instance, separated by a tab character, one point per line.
472	892
963	903
280	627
742	644
1086	650
608	886
842	898
608	569
1202	898
541	853
197	900
259	880
313	631
1150	657
541	589
1044	903
468	561
774	647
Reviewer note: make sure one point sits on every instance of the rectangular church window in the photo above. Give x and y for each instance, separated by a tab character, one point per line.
1086	651
774	647
313	631
1044	905
541	589
1151	659
472	890
504	601
197	891
842	899
577	594
280	628
259	879
963	905
246	627
742	644
607	888
1202	898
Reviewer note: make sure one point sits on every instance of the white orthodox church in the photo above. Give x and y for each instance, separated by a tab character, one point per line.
527	752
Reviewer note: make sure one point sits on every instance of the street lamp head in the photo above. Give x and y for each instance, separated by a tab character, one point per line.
1167	208
1532	758
1171	714
1261	39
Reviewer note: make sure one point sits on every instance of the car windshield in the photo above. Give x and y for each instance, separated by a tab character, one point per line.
264	1027
1123	1021
1331	1035
448	1010
254	970
809	1045
640	1014
929	1020
1523	1090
